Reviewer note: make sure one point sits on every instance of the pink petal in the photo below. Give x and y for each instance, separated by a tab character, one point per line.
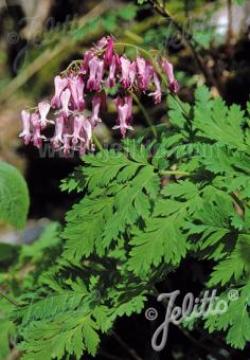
157	93
96	70
112	72
26	133
87	127
108	57
125	66
65	99
78	127
60	85
96	107
124	107
44	109
76	84
169	70
59	130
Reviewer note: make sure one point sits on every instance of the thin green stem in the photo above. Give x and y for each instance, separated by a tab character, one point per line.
73	63
191	43
8	299
97	142
179	103
145	114
136	47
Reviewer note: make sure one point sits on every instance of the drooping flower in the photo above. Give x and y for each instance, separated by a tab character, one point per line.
65	100
78	128
129	101
88	55
65	141
66	147
76	84
101	68
37	137
169	70
87	127
132	73
145	73
97	102
125	67
102	43
141	68
26	133
124	115
96	70
99	75
157	93
112	72
44	109
60	85
59	129
108	56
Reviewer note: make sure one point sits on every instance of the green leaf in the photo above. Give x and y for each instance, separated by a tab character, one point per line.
49	239
72	333
128	12
161	241
14	196
7	328
235	320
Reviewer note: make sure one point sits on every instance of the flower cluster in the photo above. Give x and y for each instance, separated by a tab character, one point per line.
86	86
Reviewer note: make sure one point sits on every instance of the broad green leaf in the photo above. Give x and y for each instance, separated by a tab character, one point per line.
14	196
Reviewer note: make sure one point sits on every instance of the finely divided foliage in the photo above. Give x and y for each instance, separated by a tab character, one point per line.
143	210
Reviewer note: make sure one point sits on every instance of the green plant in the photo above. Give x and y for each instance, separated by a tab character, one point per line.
143	210
14	198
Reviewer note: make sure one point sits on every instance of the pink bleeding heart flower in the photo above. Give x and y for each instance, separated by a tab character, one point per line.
99	75
169	70
65	137
73	131
60	85
102	43
66	145
37	137
145	72
76	84
87	127
112	72
88	55
26	133
59	130
44	109
125	67
35	121
132	73
65	100
78	128
98	101
129	101
141	69
108	56
157	93
124	108
96	70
